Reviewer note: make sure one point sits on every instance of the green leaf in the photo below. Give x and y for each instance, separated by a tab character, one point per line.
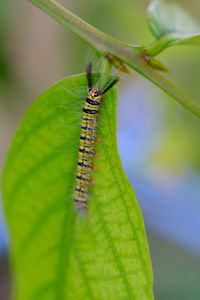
57	253
170	25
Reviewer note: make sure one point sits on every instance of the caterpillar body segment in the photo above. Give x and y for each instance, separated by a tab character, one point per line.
87	142
86	148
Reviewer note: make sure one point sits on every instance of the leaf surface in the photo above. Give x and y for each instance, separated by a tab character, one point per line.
171	25
57	253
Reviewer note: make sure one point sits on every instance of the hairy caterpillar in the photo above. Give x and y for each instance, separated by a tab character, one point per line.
88	140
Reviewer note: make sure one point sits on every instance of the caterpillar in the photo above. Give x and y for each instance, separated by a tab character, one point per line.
88	139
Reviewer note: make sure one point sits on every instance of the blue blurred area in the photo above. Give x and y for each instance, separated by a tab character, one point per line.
3	232
172	210
170	202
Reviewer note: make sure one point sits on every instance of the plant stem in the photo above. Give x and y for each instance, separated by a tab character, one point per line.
129	54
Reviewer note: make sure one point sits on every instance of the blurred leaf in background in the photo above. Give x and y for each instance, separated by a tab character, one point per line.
171	25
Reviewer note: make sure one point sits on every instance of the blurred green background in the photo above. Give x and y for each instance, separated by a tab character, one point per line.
159	141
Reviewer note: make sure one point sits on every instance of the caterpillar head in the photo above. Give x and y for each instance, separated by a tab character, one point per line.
95	93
